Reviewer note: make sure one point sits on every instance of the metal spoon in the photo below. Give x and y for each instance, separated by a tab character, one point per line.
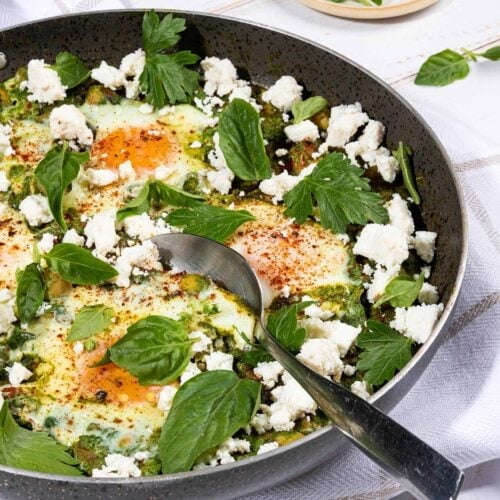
422	470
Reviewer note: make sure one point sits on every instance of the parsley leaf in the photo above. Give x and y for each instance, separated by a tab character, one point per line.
342	195
401	291
89	321
30	292
242	143
71	69
156	193
402	154
30	450
213	222
302	110
384	352
58	169
165	78
283	326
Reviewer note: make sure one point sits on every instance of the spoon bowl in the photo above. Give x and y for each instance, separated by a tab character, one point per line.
414	464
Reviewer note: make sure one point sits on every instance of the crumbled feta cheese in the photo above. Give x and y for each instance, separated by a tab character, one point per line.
427	271
223	455
361	389
279	185
133	64
344	122
281	152
18	373
349	370
196	145
386	164
140	456
416	322
163	172
243	91
5	146
117	465
221	178
264	448
424	243
322	356
314	311
46	244
385	244
269	372
285	292
126	171
69	123
43	83
428	294
146	109
100	232
219	361
166	110
143	227
368	142
166	397
304	131
73	237
283	93
381	278
35	208
399	214
78	348
190	371
202	344
7	316
368	270
4	182
44	307
260	421
220	76
144	256
109	76
341	334
101	176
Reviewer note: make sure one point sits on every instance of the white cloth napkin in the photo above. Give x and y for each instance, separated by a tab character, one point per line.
455	406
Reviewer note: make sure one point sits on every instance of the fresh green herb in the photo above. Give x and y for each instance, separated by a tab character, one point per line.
401	291
30	292
156	350
448	66
255	355
71	69
165	78
210	221
384	352
343	196
89	321
242	143
30	450
283	326
207	409
302	110
55	173
78	266
402	154
159	194
18	337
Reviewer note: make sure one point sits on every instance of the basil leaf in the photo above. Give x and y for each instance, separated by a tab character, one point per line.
302	110
71	69
30	450
89	321
156	193
210	221
401	291
241	141
384	352
30	292
442	69
78	266
402	154
206	410
256	355
158	36
156	350
342	194
492	54
283	326
55	173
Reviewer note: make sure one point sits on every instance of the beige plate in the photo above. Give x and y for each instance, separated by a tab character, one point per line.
362	12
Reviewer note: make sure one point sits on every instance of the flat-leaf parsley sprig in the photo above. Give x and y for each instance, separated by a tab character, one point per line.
448	66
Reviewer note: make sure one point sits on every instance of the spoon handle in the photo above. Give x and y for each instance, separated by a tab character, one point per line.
418	467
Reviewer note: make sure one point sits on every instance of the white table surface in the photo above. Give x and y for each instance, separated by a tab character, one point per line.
456	404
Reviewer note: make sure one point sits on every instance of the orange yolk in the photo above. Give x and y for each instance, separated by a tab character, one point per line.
146	148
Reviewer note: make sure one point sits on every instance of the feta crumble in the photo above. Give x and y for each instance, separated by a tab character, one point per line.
100	176
143	227
269	373
428	294
279	185
190	371
264	448
126	171
220	76
111	77
100	232
202	344
281	152
219	361
304	131
322	356
416	322
78	348
71	236
386	164
46	244
4	182
35	209
424	243
283	93
7	316
43	84
381	278
361	389
400	215
222	177
117	465
18	373
166	397
344	122
69	123
5	146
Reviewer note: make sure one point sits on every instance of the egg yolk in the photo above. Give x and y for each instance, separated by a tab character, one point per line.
146	148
